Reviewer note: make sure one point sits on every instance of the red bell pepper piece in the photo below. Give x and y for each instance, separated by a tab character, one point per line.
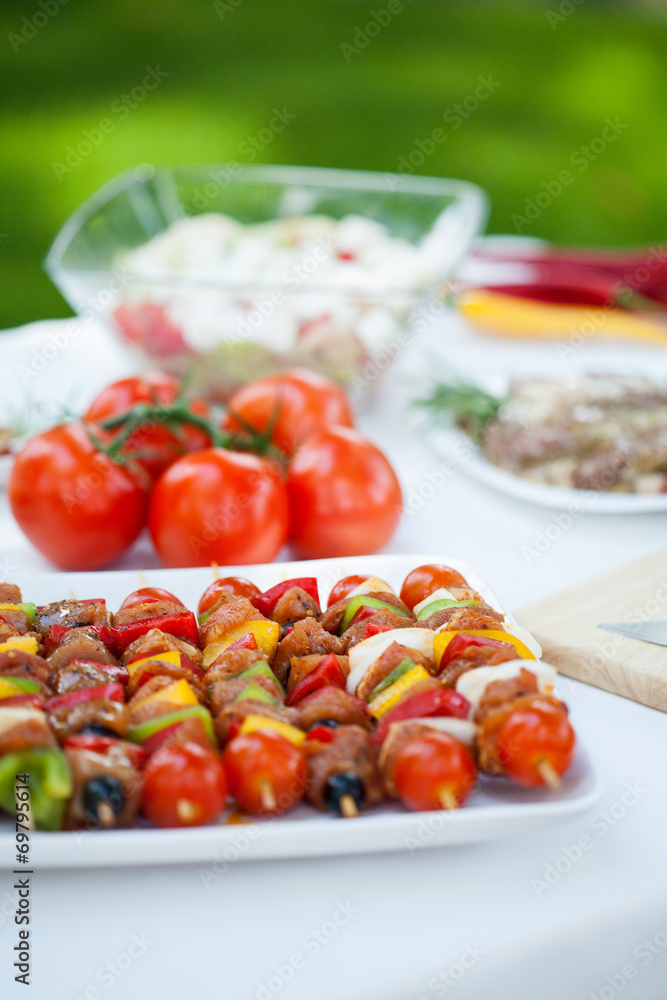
58	632
326	673
23	701
193	667
117	673
373	629
245	642
115	692
442	701
462	641
182	625
97	743
322	734
267	601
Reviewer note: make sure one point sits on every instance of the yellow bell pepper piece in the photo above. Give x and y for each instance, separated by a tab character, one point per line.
9	690
26	643
443	639
378	706
179	693
511	316
173	657
266	635
257	723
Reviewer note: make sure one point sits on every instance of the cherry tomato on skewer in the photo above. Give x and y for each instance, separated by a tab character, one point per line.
434	771
149	595
346	586
236	585
267	774
536	745
423	580
184	785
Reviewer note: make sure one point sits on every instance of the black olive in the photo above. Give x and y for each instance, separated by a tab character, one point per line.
341	784
103	799
97	729
331	723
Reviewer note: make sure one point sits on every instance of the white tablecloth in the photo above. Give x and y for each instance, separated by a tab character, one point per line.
546	917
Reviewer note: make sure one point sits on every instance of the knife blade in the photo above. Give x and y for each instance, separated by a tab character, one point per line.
655	632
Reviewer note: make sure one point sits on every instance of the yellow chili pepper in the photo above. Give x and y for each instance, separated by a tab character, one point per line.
26	643
511	316
257	723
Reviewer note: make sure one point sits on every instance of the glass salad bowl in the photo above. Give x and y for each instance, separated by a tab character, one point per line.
227	271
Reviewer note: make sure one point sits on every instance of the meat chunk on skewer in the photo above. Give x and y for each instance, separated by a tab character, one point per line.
343	775
307	636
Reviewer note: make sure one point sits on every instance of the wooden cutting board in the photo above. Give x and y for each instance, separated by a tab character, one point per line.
566	626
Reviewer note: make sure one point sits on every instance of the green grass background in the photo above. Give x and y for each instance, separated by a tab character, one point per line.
558	84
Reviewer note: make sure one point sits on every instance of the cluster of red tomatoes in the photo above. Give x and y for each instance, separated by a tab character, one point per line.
285	464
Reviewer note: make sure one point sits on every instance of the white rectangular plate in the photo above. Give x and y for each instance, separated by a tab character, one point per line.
496	809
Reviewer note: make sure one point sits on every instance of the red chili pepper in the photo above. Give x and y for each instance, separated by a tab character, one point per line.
323	734
114	692
182	625
116	673
327	672
97	743
245	642
267	601
442	701
23	701
374	629
462	641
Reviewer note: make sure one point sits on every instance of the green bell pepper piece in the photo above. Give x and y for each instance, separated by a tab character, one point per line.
261	669
145	729
364	601
257	693
399	671
49	782
440	605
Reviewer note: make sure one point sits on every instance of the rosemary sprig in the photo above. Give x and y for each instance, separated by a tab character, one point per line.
469	406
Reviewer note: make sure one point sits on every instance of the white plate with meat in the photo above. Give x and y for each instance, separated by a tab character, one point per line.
496	809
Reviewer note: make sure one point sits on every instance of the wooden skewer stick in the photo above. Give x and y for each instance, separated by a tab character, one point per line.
186	811
348	807
549	775
216	571
268	798
142	580
105	815
448	799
